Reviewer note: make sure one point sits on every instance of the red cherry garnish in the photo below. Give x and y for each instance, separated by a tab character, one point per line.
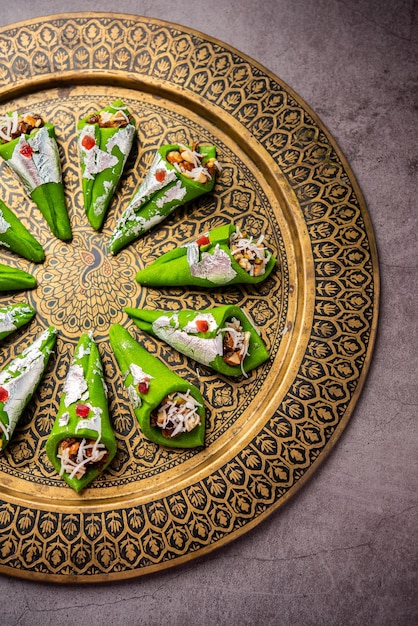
82	410
4	394
26	151
203	240
88	142
202	326
143	386
160	176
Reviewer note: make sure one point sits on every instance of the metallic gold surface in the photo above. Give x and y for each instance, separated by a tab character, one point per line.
283	175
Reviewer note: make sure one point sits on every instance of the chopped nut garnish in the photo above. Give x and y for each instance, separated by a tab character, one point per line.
104	119
79	455
12	126
176	414
250	255
189	163
235	343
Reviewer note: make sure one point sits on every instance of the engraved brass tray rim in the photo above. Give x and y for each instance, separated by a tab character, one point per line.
147	83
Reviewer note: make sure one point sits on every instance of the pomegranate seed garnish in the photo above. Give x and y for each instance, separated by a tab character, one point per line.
4	394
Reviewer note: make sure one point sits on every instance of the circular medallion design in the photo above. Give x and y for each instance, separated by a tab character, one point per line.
282	175
77	286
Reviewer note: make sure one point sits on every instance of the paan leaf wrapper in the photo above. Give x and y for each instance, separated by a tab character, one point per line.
15	279
82	443
163	189
13	316
200	335
15	236
209	261
105	140
34	158
19	380
149	383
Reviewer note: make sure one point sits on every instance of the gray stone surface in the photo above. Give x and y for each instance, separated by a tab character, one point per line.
344	549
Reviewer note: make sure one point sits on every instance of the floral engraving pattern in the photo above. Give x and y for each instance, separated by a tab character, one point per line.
126	541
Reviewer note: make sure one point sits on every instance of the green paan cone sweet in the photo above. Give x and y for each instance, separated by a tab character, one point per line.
13	317
19	380
223	256
15	237
222	338
178	175
105	141
170	410
14	279
30	150
82	443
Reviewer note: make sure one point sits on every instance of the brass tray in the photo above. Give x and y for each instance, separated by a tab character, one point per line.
284	175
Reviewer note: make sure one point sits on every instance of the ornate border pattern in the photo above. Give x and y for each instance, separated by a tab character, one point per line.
130	541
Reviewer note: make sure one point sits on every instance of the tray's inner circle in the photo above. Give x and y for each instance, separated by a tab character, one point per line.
82	288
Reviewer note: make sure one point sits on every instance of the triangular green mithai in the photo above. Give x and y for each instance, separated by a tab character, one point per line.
13	316
169	409
29	147
15	279
222	256
222	338
82	443
19	380
177	175
105	140
15	237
